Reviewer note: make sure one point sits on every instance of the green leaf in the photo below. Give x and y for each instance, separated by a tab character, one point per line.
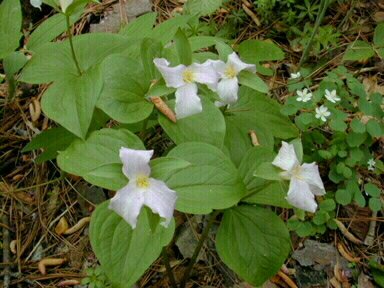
141	27
261	191
71	102
374	128
253	242
165	31
338	125
97	159
183	48
378	37
53	61
328	205
254	51
358	51
253	81
123	95
50	29
374	204
150	49
13	63
343	196
119	248
10	26
257	112
321	217
202	7
267	171
200	42
210	181
372	190
189	129
356	139
52	141
357	126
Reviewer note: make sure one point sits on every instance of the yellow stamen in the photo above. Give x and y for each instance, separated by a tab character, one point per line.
188	76
142	181
230	72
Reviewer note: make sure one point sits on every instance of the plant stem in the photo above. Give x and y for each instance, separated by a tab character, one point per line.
69	33
168	268
203	237
323	7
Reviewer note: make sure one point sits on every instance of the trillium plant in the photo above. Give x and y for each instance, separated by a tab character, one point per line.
229	153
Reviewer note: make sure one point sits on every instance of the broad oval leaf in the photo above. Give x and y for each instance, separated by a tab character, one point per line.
207	126
254	51
71	101
10	26
125	254
358	51
97	158
257	112
53	61
253	242
202	7
123	95
203	177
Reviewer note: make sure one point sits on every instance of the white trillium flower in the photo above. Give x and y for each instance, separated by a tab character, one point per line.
36	3
304	95
332	96
228	86
371	164
64	4
322	113
295	75
141	189
305	181
184	79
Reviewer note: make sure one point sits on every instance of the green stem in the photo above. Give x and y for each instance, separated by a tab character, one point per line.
203	237
323	7
168	268
69	33
11	87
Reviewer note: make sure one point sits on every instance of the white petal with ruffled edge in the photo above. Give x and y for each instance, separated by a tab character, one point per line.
135	162
309	172
161	200
227	89
187	101
64	4
128	202
300	195
234	60
36	3
286	159
173	76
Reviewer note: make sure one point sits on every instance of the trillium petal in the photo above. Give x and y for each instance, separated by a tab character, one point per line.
36	3
286	159
204	73
135	162
300	196
128	202
64	4
310	173
161	200
218	65
227	90
239	65
187	101
173	76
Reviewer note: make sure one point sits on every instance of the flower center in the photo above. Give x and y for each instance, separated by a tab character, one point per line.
296	172
230	72
142	181
188	76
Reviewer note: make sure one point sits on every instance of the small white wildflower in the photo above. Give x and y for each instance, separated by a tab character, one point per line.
371	164
332	96
305	180
304	95
184	79
295	75
142	190
228	86
322	113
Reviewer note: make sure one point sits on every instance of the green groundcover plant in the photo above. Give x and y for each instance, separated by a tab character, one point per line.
208	98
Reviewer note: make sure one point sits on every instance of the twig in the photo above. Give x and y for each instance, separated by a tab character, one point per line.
287	280
250	13
6	258
371	231
168	267
196	253
346	233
